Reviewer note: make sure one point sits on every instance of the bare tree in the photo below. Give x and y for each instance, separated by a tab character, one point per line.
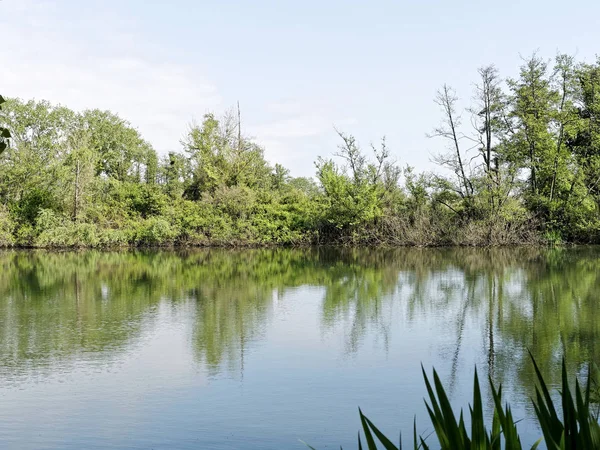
488	115
446	98
350	152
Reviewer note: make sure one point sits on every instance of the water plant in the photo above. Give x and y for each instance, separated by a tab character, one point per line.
575	428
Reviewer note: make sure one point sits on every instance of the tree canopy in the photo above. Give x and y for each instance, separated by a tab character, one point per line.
522	166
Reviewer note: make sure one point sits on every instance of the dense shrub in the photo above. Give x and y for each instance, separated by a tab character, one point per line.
6	228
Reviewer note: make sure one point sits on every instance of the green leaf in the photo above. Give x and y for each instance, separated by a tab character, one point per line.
368	436
478	431
309	446
382	438
536	444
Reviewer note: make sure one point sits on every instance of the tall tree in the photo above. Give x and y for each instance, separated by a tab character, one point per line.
4	132
151	174
120	147
220	156
449	129
78	176
533	105
33	164
488	116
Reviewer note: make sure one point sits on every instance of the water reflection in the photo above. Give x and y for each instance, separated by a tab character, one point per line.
56	307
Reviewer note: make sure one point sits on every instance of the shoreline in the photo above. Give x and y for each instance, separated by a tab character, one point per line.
254	246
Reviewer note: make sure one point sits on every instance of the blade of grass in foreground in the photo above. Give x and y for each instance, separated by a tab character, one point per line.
578	429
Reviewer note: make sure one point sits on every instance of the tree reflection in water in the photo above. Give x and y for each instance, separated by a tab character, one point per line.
57	306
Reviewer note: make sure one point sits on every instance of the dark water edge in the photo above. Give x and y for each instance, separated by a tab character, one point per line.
253	245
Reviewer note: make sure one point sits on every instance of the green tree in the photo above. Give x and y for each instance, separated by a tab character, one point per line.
120	148
33	163
220	156
151	175
4	132
174	170
533	110
353	192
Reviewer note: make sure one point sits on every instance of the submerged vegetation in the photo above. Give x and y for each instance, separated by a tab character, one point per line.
525	170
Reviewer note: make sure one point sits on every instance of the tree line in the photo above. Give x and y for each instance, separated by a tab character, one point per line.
522	166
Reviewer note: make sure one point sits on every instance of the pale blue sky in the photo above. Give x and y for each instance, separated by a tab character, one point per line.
298	68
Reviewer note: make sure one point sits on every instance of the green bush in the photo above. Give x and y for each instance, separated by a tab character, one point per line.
155	231
7	226
54	230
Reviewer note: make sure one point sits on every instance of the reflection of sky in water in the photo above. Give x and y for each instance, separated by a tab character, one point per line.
188	370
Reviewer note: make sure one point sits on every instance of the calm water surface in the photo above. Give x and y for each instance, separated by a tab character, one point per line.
257	349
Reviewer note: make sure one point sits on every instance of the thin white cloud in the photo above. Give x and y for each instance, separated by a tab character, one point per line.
297	140
286	107
101	60
104	70
298	127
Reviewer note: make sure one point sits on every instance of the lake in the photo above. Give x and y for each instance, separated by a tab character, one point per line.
257	349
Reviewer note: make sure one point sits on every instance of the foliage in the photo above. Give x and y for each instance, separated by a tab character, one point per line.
523	169
6	228
577	427
4	132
